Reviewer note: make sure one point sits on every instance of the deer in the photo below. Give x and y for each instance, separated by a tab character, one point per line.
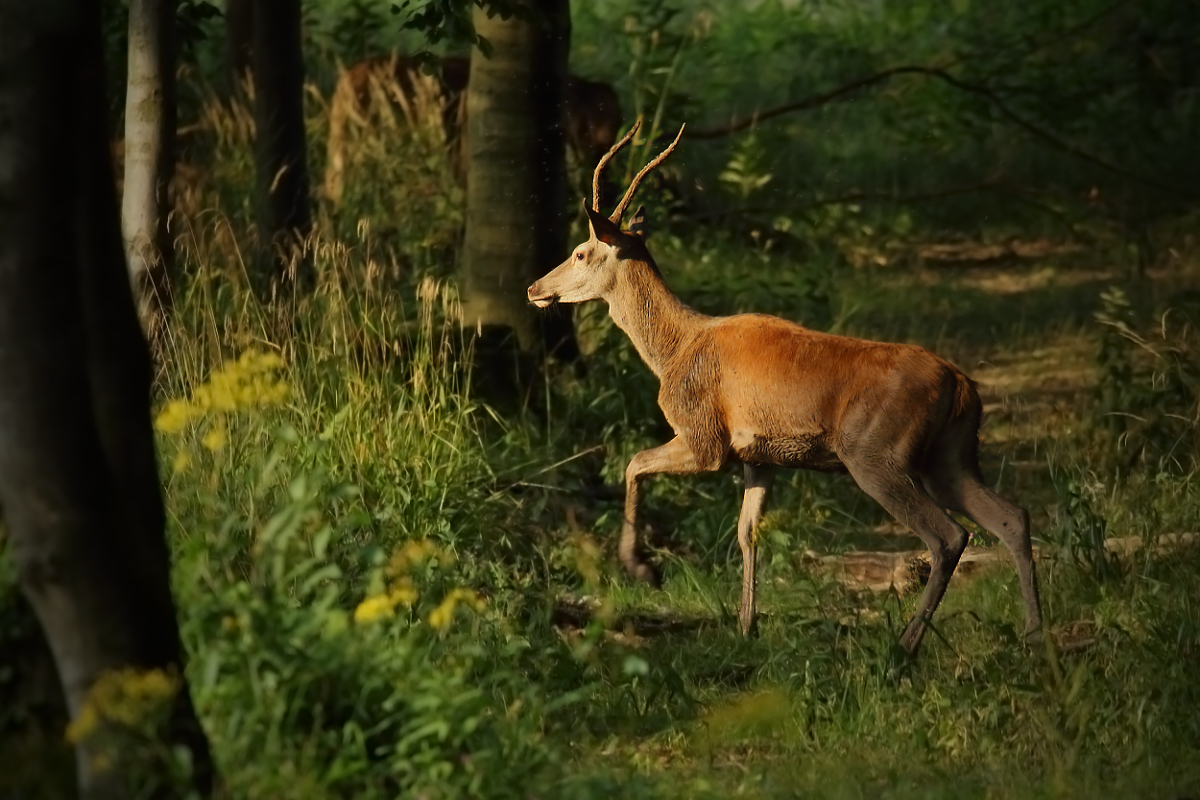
593	110
769	394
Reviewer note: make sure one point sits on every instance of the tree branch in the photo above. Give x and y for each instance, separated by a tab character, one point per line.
813	101
982	91
855	197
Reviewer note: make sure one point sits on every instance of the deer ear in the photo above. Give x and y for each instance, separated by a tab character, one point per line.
637	223
604	230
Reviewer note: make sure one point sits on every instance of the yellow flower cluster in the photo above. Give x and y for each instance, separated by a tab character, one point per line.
124	697
403	593
441	616
250	382
384	605
414	554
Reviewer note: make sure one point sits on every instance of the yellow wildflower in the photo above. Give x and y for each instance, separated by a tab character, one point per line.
249	382
181	461
85	722
384	605
215	438
125	697
414	553
176	416
441	616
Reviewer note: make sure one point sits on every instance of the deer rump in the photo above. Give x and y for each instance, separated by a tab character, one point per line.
818	395
593	110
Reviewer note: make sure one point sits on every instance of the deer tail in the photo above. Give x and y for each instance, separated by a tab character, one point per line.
966	399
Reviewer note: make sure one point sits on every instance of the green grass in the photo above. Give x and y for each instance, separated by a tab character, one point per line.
282	531
286	527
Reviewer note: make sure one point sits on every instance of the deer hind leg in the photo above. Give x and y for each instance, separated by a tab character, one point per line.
675	457
962	490
906	500
759	478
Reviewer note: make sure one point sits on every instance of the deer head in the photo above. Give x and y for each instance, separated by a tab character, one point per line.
591	270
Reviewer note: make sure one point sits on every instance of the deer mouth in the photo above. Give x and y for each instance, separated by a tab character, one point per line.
540	300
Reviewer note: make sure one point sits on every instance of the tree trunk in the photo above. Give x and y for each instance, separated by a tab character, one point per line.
78	474
516	220
150	115
239	38
282	173
35	760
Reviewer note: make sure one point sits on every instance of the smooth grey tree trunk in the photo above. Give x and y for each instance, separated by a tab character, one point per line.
78	474
277	65
516	217
150	115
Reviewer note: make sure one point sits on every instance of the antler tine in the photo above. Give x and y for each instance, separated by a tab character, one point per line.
612	151
624	204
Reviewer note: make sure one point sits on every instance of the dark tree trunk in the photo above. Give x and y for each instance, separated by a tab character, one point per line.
239	43
516	220
35	760
282	174
150	114
78	474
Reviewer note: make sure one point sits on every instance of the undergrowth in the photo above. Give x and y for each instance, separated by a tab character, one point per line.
389	590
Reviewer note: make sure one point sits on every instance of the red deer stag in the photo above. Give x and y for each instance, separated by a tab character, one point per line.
593	110
769	393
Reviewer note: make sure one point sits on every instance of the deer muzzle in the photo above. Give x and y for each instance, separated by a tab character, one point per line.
538	297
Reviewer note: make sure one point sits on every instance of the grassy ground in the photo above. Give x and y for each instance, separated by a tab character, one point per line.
389	589
553	676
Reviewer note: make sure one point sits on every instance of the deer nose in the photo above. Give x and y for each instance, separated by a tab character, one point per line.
533	291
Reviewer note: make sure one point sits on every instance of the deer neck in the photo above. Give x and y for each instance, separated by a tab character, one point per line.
653	318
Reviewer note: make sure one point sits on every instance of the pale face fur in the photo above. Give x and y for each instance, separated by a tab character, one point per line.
586	275
590	272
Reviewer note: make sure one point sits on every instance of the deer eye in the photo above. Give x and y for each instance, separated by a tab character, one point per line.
579	256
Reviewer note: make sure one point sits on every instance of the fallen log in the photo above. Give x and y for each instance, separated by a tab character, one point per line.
905	571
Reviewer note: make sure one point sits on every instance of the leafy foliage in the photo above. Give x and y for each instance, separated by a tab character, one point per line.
1147	393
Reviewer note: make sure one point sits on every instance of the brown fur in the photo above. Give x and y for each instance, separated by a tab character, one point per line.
768	393
593	110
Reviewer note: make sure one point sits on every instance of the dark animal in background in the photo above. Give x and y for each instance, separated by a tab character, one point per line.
593	110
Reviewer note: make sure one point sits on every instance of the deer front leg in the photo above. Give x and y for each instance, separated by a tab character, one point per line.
759	478
675	457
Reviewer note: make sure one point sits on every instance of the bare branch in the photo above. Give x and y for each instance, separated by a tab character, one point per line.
982	91
813	101
856	197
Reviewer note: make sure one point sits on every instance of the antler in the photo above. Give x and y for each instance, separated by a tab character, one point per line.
616	215
604	162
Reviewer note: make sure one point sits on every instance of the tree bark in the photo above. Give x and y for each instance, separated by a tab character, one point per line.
150	121
78	473
239	39
282	173
516	220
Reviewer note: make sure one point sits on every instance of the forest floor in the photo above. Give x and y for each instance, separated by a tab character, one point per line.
728	713
388	590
